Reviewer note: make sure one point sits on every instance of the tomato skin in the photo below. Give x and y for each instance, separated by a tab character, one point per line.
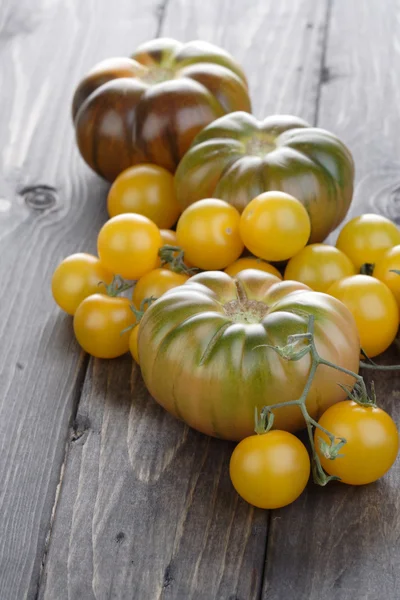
209	335
155	284
372	442
168	237
374	309
77	277
208	232
128	245
275	226
133	343
389	261
147	190
319	266
251	262
270	470
366	238
98	325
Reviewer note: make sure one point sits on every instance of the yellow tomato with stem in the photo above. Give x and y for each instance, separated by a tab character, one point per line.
208	233
270	470
251	262
374	309
147	190
77	277
385	268
365	239
371	446
133	343
319	266
128	245
275	226
101	325
154	284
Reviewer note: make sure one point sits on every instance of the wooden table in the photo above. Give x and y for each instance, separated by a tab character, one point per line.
102	494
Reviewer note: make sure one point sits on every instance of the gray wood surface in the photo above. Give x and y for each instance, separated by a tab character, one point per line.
45	47
146	508
128	503
342	543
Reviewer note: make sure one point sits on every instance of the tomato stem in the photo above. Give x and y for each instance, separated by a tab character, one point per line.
358	392
117	286
174	256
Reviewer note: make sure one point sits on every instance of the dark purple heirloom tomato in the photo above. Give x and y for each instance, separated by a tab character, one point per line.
148	108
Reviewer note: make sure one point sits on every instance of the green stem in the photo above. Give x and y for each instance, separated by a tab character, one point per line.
174	256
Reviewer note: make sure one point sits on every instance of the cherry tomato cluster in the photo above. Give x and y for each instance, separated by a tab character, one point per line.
137	245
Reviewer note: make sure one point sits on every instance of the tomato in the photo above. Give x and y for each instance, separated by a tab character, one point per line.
147	190
203	355
168	237
365	238
374	309
128	245
77	277
270	470
98	325
275	226
133	343
383	271
155	284
237	157
372	442
208	232
251	262
318	266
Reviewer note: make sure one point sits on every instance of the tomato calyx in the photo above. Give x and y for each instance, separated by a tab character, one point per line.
174	256
146	302
117	286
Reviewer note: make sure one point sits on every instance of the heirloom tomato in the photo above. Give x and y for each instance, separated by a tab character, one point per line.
365	239
237	158
371	446
99	323
208	232
147	190
251	262
385	268
204	351
148	108
374	309
270	470
77	277
318	266
275	226
128	245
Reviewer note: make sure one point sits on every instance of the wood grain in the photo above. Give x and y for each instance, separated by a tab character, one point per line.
50	206
341	543
146	509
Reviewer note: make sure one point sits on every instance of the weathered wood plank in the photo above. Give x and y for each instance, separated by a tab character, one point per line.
45	47
146	508
341	543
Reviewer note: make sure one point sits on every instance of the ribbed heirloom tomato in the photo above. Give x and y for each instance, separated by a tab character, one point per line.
77	277
203	355
270	470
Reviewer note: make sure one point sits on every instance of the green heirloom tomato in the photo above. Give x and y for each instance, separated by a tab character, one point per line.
237	157
203	355
148	108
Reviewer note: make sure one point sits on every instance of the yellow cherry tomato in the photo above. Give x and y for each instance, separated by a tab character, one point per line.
168	237
128	245
208	232
389	262
133	343
318	266
251	262
374	309
155	284
146	190
77	277
270	470
366	238
275	226
371	446
98	325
